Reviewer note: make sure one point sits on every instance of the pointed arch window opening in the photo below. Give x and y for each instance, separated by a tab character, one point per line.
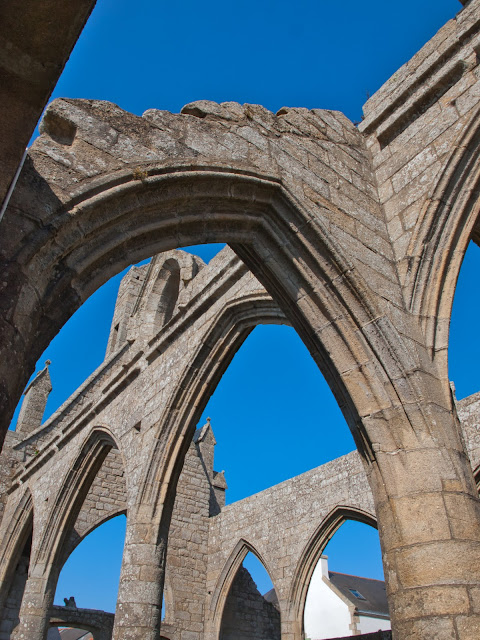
92	571
347	590
248	612
464	346
90	324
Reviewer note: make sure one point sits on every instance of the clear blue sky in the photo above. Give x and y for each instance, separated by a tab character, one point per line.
272	413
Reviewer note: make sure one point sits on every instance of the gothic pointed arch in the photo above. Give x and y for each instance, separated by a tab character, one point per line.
104	222
314	549
15	538
229	330
449	221
225	581
70	497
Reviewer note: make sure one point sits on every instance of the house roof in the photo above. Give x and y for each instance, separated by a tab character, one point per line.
368	595
373	592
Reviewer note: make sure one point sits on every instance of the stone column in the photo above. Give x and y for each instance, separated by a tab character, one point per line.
291	628
429	523
139	604
34	612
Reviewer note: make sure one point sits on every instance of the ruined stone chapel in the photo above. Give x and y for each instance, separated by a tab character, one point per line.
353	235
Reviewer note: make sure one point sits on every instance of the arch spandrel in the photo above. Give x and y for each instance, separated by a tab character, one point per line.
110	481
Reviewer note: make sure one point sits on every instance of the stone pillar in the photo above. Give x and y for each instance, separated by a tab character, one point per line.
429	523
139	603
291	627
35	610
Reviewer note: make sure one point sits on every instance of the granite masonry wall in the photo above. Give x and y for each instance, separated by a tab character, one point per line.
286	526
247	615
353	235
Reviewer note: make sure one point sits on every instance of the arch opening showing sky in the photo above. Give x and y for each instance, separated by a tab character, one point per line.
91	573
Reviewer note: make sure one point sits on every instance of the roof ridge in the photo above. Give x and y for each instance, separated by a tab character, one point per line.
352	575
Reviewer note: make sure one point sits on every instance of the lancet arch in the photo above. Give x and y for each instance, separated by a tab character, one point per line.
224	584
125	215
449	221
313	551
15	536
200	378
72	493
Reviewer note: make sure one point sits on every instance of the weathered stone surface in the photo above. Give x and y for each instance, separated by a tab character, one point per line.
356	234
33	52
207	541
99	623
247	614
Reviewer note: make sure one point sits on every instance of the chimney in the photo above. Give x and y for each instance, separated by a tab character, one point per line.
324	566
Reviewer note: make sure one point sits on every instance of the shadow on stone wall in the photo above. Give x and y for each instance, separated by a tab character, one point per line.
247	614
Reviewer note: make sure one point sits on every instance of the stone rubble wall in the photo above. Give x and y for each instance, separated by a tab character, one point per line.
247	615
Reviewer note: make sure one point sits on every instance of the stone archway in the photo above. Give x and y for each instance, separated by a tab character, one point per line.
310	557
125	215
15	553
226	579
103	188
51	535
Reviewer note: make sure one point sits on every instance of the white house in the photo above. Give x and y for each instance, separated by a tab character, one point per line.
341	605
